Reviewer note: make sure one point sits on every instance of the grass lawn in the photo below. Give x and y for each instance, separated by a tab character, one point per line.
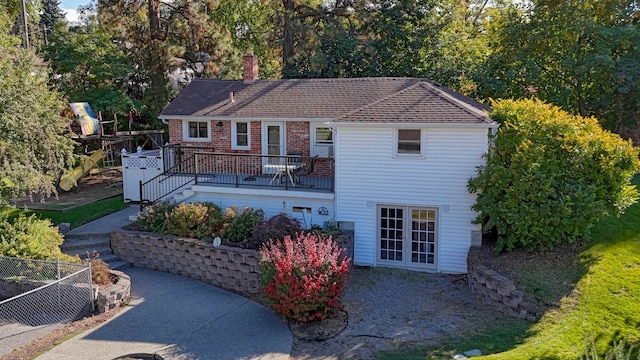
603	306
75	216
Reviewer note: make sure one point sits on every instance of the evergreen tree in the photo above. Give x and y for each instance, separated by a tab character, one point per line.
49	16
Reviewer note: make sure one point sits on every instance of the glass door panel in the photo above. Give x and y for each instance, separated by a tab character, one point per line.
423	236
391	234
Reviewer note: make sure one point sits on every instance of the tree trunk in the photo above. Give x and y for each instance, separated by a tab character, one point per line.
156	56
288	31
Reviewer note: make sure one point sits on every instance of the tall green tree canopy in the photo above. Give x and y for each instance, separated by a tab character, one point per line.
550	176
33	151
89	66
589	65
156	34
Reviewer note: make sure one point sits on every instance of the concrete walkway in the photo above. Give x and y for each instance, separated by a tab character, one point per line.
106	223
181	318
177	318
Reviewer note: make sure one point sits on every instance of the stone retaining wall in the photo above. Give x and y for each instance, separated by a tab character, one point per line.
497	290
108	297
224	266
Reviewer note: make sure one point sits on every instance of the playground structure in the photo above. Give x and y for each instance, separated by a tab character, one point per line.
100	145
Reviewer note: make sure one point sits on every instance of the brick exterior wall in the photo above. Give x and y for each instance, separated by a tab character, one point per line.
226	267
497	290
298	137
175	131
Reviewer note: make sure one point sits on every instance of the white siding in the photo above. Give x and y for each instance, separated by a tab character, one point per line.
369	174
272	202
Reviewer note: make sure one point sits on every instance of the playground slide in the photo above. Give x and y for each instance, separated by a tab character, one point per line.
70	179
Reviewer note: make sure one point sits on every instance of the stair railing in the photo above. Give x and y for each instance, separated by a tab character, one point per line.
167	183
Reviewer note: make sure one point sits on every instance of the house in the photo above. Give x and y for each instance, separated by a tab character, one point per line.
389	157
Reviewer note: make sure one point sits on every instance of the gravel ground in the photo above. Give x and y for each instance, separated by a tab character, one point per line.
389	308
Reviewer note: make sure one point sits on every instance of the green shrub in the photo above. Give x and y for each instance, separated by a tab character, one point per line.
303	276
156	217
184	219
212	224
239	226
550	176
274	228
32	238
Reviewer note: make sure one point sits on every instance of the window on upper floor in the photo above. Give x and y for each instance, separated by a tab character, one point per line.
199	130
409	142
241	135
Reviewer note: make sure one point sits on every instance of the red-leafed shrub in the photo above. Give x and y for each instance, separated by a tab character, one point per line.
303	276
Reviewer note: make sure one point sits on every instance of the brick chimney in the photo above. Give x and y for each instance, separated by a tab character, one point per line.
250	68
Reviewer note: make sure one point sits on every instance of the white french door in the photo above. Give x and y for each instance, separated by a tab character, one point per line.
407	236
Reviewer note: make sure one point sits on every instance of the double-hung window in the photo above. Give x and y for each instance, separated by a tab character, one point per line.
409	142
324	136
322	141
199	130
241	135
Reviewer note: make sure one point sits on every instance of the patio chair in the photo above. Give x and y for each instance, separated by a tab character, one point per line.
306	169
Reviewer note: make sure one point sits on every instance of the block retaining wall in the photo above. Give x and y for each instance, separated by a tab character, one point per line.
497	290
108	297
224	266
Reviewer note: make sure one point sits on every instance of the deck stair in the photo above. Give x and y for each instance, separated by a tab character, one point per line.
84	244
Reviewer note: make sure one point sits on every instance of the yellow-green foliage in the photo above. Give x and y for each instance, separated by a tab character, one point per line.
31	238
185	218
550	176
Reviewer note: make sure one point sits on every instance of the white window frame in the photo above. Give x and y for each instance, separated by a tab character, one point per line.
396	139
185	131
314	141
234	136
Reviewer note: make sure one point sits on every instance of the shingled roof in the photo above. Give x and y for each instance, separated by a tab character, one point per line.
343	100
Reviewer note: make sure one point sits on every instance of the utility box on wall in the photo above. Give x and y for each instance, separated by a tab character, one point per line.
139	166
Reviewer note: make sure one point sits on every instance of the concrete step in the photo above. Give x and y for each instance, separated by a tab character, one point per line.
109	258
183	196
103	251
85	244
119	265
73	237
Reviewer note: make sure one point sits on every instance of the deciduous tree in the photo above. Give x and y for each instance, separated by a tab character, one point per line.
589	65
89	66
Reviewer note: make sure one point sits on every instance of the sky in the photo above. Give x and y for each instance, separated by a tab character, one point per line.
70	6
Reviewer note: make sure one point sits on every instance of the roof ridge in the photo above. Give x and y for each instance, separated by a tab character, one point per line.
319	79
455	101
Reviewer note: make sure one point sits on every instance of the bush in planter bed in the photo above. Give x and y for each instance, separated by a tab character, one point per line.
195	220
303	276
276	227
238	226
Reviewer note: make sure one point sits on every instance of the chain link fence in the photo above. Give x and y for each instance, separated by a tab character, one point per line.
36	292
